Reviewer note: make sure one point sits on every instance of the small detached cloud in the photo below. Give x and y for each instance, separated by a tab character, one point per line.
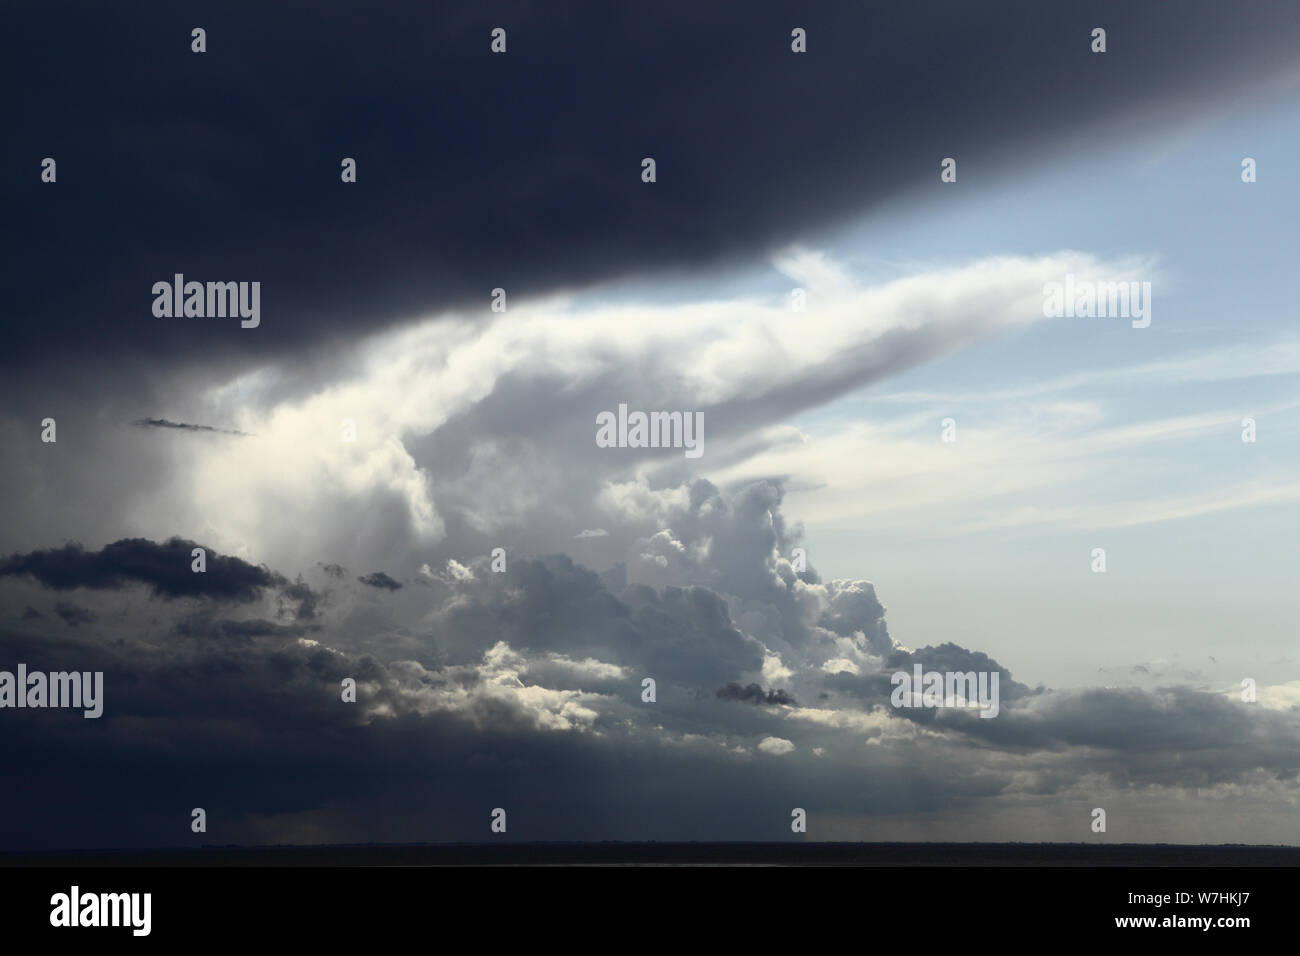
380	580
185	426
754	694
776	746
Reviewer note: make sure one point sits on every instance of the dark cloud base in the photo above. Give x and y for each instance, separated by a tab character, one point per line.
522	171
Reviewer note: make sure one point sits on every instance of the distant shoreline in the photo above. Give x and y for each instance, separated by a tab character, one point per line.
682	854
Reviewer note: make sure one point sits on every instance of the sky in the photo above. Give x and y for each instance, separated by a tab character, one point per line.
396	485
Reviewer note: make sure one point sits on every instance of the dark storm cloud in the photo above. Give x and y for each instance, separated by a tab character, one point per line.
166	568
183	426
380	580
523	170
